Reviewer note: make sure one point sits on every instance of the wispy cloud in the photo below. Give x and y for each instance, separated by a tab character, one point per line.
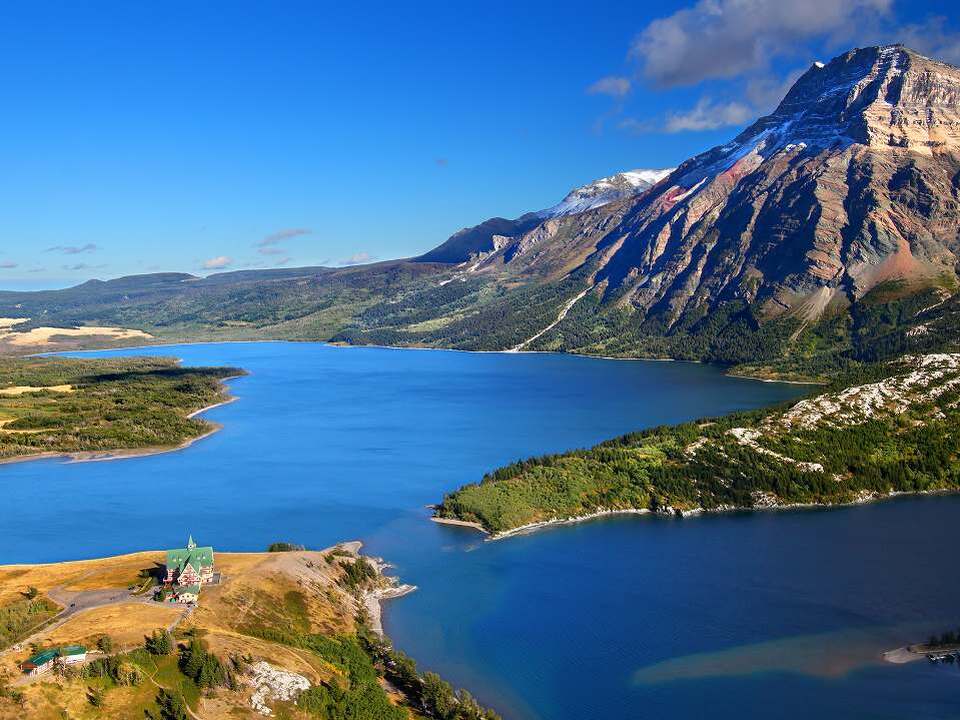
83	266
278	237
708	115
218	263
358	259
764	92
7	264
73	249
441	162
271	250
612	85
638	126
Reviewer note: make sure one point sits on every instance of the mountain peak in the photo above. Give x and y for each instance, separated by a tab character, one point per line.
491	234
885	97
881	95
606	190
850	183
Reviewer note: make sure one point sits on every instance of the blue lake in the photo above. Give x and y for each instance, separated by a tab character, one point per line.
740	615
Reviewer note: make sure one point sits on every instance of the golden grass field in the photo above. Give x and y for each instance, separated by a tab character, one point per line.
125	623
115	572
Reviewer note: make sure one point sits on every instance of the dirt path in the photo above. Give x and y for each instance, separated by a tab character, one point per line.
563	313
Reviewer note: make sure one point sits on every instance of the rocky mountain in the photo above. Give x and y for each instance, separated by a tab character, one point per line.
846	193
495	233
850	183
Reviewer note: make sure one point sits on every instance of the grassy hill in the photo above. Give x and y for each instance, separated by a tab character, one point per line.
274	617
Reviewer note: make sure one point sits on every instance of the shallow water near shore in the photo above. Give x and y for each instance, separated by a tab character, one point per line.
742	615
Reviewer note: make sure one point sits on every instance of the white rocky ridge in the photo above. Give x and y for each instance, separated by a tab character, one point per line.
271	684
605	191
926	378
932	376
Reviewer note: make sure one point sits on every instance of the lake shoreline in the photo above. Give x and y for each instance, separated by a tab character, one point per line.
670	513
346	345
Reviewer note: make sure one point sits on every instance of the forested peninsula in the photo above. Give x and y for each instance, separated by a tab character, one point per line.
896	430
91	408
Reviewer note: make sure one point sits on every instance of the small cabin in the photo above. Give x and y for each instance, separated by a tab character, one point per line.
40	663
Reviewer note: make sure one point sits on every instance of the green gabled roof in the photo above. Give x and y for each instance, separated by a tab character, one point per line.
42	657
73	650
197	557
195	589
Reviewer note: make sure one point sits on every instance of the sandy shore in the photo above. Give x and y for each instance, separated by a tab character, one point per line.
902	655
533	527
460	523
392	588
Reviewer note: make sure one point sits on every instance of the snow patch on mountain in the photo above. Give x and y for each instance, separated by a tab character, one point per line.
605	191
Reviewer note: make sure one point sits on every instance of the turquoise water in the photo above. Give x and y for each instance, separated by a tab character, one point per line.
746	615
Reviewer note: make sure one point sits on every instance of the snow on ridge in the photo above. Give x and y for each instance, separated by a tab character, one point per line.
645	177
606	190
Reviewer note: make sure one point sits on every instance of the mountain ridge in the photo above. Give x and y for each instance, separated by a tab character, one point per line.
494	233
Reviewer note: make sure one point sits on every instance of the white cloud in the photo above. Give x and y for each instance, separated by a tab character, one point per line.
7	265
708	115
272	250
218	263
612	85
358	259
727	38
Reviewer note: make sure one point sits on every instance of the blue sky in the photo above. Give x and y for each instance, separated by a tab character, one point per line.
196	137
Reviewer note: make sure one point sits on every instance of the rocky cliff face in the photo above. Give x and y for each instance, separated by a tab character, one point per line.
851	182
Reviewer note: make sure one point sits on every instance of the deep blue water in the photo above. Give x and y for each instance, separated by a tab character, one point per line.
740	615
